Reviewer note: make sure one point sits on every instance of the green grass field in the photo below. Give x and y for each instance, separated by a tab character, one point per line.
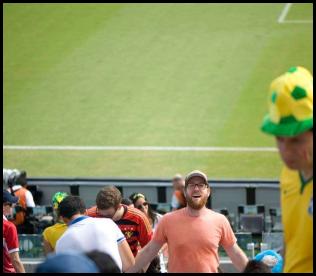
145	75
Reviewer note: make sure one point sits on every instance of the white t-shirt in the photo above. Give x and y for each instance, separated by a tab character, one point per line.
85	234
175	202
28	196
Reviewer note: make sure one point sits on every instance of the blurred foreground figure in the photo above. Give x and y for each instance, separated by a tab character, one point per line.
68	262
290	120
11	258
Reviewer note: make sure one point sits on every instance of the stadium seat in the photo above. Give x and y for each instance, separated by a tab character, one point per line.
251	218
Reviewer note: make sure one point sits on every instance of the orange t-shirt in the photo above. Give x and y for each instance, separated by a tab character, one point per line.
193	241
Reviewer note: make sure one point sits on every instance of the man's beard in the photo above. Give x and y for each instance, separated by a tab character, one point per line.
197	205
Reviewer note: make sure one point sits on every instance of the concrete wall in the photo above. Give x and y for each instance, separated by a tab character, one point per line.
225	194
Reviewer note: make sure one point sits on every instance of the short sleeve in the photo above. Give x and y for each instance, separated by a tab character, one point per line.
159	234
228	238
145	230
119	236
11	239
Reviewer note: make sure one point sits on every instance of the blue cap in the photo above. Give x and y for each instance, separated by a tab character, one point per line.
272	259
8	198
70	262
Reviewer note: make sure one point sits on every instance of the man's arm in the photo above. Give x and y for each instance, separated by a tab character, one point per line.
237	256
16	262
145	256
126	255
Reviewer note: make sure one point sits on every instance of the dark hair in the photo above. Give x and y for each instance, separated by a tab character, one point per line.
71	205
104	262
108	197
126	201
135	196
254	266
22	178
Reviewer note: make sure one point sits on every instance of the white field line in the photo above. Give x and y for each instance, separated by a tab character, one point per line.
139	148
284	12
298	21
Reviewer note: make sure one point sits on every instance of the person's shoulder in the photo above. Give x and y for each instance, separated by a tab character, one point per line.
288	172
132	212
101	221
92	211
48	230
211	214
289	178
159	216
174	214
55	227
8	225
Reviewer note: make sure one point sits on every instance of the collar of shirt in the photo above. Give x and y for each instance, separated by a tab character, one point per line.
77	220
4	217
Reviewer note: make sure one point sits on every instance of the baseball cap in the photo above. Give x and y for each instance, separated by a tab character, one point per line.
57	198
68	262
196	173
272	259
8	198
290	104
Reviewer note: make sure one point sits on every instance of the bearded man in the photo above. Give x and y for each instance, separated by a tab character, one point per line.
193	234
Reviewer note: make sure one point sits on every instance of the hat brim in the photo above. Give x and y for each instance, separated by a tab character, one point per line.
11	199
196	174
286	129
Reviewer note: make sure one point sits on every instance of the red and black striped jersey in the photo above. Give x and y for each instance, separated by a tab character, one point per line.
134	225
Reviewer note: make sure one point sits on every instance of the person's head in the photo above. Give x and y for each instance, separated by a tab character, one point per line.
140	202
71	206
178	182
297	152
68	262
254	266
197	189
8	202
272	259
103	261
290	117
108	202
56	199
127	202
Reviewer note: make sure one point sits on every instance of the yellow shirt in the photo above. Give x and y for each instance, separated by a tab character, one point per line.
297	219
53	233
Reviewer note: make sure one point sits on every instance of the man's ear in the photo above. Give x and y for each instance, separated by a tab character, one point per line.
209	191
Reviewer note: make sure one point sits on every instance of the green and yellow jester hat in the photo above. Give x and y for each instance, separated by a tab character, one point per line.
57	198
290	104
